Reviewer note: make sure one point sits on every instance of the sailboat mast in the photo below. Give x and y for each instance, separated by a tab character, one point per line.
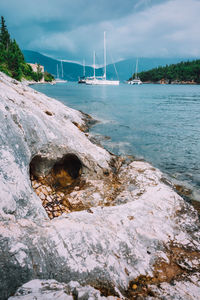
84	68
94	64
62	67
136	69
105	55
57	72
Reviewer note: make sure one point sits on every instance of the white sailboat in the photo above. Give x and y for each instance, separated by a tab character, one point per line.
136	80
101	80
62	74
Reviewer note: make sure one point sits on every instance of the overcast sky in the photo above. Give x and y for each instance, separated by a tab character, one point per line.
73	29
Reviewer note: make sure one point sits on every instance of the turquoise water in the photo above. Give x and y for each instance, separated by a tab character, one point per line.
158	123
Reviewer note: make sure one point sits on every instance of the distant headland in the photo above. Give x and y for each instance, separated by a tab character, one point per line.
180	73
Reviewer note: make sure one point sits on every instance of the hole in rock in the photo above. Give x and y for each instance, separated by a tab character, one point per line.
49	113
53	181
66	171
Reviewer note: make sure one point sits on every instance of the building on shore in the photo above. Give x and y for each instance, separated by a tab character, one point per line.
35	67
38	68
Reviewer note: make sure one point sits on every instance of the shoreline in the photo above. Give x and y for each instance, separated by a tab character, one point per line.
172	83
27	82
182	187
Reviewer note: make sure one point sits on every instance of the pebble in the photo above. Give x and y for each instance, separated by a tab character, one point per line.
37	192
45	202
39	189
42	196
50	215
44	191
61	194
49	189
134	286
49	199
56	214
35	184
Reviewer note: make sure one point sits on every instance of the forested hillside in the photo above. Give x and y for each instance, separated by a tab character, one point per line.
179	73
12	59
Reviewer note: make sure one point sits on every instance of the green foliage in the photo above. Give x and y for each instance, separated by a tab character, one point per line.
182	72
4	37
48	77
4	69
39	73
12	59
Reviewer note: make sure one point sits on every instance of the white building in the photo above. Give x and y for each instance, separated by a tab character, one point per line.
35	67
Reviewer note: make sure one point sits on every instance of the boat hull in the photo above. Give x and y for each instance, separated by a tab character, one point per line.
135	82
102	82
60	81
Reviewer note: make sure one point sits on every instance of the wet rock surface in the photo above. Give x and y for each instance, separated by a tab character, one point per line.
71	211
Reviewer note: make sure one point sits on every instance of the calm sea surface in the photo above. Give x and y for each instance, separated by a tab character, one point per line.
159	123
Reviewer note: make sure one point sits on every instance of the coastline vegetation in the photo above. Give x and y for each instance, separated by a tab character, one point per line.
48	77
12	60
183	72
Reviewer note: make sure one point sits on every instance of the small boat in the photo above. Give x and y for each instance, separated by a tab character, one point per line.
136	80
101	80
82	79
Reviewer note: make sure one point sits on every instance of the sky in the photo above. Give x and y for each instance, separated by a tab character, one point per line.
73	29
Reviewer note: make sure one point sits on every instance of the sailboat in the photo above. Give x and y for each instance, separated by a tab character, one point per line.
101	80
82	79
62	74
136	80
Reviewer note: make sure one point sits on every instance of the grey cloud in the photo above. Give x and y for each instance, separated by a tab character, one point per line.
73	29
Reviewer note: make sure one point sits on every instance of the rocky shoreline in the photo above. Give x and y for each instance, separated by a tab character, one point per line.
166	81
31	82
78	222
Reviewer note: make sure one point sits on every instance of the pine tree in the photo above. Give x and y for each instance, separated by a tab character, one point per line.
11	55
15	60
4	36
1	53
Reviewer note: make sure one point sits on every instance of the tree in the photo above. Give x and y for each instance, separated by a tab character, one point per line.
15	60
48	77
4	36
184	71
39	72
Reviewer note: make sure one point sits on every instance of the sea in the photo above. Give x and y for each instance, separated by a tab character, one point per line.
156	123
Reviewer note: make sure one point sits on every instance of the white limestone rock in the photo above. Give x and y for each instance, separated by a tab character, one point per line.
51	290
106	248
181	290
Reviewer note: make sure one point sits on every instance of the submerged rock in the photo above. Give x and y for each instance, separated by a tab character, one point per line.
71	211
